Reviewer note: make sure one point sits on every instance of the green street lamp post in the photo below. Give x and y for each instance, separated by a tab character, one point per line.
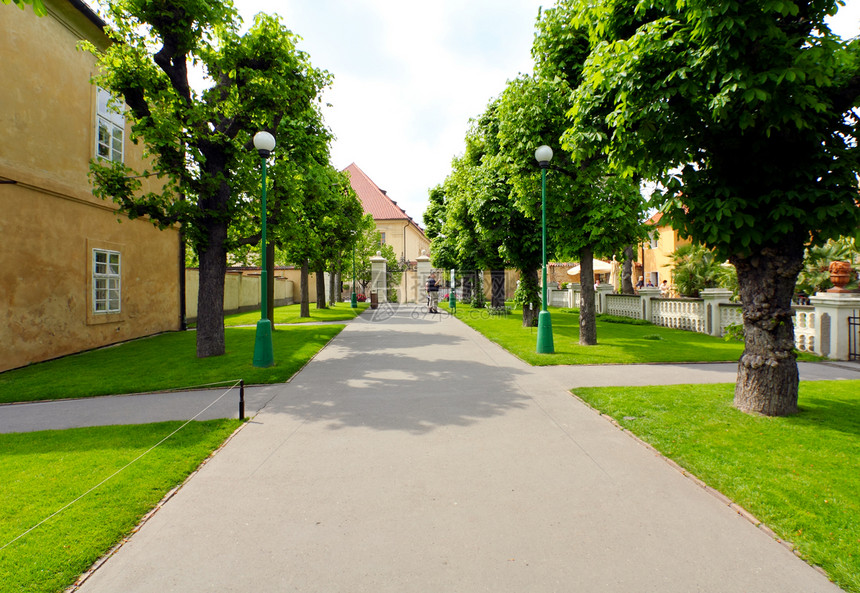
452	294
353	299
264	355
545	345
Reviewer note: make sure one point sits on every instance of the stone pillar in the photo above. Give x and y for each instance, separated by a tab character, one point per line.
832	310
646	294
714	297
379	277
601	292
423	272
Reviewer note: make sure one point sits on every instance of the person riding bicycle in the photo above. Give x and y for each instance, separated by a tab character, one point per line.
432	293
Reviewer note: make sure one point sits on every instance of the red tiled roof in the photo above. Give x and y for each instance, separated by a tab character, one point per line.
374	200
655	219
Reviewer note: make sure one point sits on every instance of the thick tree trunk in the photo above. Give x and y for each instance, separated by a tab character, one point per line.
587	310
305	307
210	295
320	275
767	372
531	310
333	296
627	270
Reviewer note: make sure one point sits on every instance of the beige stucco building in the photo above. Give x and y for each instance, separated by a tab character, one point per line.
656	254
395	227
74	274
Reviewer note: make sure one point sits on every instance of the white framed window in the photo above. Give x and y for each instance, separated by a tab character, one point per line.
382	238
110	128
655	236
107	281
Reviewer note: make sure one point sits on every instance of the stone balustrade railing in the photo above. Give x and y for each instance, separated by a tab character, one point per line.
821	328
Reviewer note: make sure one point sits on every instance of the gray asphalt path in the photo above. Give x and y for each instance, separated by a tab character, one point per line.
413	455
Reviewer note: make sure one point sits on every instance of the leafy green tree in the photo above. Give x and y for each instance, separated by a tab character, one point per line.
695	267
200	141
589	212
744	111
38	7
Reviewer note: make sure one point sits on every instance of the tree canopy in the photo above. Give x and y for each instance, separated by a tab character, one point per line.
745	111
199	141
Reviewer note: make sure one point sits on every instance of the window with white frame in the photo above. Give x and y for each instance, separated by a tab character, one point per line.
110	125
655	236
107	285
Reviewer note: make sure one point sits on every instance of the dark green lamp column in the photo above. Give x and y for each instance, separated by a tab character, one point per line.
264	355
545	345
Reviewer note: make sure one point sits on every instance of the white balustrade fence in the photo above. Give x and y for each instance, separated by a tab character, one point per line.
818	328
686	314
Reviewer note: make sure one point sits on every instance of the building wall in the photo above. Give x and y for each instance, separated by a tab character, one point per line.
658	260
51	222
400	233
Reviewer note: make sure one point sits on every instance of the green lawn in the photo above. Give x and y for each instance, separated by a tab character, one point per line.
290	314
41	472
166	361
617	343
799	475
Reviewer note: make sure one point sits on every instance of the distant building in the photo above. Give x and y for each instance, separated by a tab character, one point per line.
395	227
72	277
654	257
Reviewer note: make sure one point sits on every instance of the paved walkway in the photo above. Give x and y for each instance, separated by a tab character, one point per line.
416	456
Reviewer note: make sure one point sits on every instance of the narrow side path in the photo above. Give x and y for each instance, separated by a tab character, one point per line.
417	456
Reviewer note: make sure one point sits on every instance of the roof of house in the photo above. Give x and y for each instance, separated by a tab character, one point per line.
374	200
655	219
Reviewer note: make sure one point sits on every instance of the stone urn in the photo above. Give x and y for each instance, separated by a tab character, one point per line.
840	275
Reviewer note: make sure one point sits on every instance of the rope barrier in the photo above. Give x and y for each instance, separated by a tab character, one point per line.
136	459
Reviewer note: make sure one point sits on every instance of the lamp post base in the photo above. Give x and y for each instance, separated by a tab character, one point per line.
544	334
353	301
264	355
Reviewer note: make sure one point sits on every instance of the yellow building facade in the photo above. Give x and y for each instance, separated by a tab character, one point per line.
74	274
654	257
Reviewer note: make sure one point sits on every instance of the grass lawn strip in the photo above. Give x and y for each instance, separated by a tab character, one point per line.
799	475
617	343
41	472
291	314
166	361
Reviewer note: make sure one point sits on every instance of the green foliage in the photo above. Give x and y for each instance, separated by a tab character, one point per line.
815	276
38	7
696	268
199	143
743	110
795	474
479	301
606	318
40	472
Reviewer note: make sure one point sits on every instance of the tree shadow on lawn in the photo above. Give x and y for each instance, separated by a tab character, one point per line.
828	413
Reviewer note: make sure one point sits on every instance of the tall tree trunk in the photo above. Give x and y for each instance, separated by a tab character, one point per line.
627	270
210	296
532	309
332	296
320	274
305	307
587	309
270	289
767	371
